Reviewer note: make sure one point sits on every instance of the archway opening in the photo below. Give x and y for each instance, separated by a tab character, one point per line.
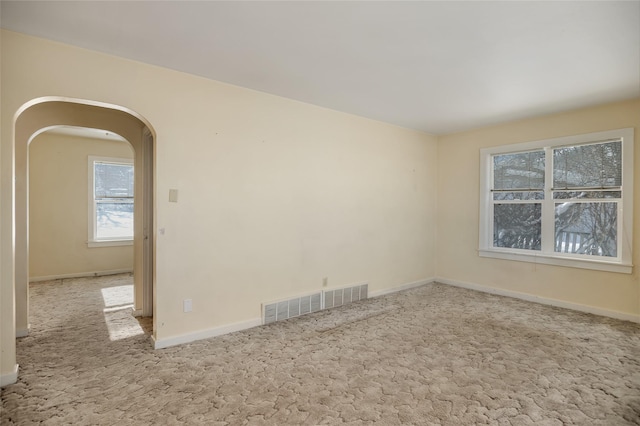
42	114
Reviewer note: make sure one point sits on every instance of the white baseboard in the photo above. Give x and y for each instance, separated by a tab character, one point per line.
136	312
80	275
23	332
205	334
230	328
400	288
9	378
542	300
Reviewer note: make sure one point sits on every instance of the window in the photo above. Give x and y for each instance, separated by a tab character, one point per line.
565	201
111	201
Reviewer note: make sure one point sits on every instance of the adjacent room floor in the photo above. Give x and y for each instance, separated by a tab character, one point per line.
431	355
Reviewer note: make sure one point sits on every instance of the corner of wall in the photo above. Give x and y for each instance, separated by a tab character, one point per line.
542	300
9	378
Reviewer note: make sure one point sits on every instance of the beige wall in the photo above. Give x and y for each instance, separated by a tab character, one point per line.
458	197
274	194
58	205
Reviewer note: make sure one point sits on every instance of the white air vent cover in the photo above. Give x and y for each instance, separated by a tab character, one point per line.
278	311
290	308
343	296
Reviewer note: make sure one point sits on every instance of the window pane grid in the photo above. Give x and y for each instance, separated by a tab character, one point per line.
582	202
587	199
112	191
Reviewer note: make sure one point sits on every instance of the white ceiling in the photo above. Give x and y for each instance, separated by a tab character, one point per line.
87	133
439	67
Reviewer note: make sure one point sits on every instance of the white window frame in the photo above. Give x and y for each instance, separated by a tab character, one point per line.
93	241
547	255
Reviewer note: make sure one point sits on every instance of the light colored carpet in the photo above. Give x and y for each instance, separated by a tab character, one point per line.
431	355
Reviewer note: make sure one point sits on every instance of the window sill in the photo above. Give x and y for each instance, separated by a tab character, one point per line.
109	243
558	261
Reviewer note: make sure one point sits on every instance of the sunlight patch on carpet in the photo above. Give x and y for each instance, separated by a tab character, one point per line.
118	302
117	296
121	325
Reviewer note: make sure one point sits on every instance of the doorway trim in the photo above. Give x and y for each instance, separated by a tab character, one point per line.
43	113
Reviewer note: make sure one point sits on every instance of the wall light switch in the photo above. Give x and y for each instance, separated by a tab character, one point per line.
173	195
187	305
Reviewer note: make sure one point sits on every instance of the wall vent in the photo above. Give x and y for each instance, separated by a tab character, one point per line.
284	309
344	296
290	308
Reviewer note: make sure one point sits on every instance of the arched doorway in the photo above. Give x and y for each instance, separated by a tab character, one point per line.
45	113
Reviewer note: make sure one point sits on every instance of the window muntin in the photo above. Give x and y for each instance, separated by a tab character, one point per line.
111	198
560	201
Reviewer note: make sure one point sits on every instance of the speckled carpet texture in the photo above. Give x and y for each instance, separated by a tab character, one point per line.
427	356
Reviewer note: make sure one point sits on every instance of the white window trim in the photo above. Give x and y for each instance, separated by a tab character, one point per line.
109	243
92	241
622	264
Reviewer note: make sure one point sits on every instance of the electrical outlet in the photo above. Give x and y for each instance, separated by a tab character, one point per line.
187	305
325	281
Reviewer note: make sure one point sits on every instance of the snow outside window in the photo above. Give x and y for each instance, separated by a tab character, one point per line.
565	201
111	183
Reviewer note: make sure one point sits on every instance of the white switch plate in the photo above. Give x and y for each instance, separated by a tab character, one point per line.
187	305
173	195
